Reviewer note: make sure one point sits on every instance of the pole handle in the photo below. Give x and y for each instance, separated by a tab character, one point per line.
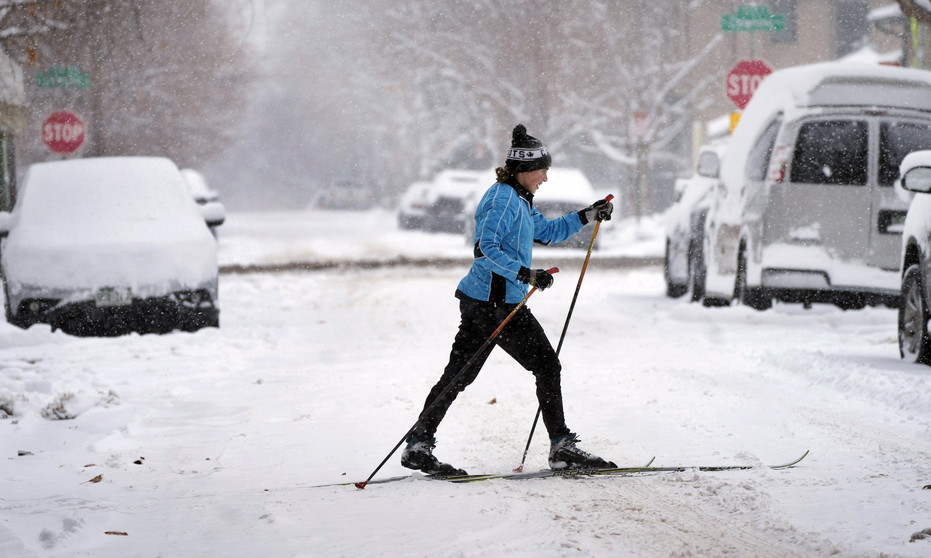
609	197
552	270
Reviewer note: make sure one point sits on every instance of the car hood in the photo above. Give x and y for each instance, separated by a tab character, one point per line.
133	258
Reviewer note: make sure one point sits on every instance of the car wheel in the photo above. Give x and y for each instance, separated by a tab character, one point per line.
754	298
914	344
8	309
673	290
696	271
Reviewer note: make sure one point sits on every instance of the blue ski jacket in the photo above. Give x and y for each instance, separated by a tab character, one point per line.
506	225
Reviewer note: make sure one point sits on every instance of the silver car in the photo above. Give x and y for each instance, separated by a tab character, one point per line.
683	265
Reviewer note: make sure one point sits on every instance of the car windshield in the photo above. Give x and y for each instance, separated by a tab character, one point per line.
102	198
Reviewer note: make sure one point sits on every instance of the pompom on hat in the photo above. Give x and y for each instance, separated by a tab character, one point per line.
527	153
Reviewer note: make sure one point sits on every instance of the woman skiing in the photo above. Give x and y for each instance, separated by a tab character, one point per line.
506	226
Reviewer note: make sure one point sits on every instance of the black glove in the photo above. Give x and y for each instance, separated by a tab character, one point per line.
539	278
598	211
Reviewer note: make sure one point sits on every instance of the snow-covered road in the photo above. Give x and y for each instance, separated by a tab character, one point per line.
210	444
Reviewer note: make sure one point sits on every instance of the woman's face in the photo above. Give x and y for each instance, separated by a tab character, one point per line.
531	180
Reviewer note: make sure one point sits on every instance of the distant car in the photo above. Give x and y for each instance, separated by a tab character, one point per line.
346	195
447	196
914	341
684	266
412	207
206	198
565	190
106	246
437	205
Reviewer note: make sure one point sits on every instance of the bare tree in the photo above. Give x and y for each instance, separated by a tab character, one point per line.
167	77
391	91
917	9
576	71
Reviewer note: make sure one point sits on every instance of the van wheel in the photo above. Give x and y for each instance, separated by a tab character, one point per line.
754	298
914	344
696	272
673	290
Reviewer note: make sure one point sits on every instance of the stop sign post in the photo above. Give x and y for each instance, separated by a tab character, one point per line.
63	132
743	79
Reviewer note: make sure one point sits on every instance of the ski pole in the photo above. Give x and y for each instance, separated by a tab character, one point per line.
452	382
562	336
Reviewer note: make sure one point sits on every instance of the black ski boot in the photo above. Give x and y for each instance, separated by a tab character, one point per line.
418	455
565	455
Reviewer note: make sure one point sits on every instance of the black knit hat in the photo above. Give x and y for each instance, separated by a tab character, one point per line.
527	153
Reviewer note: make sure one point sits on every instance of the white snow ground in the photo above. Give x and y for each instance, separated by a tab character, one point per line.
210	444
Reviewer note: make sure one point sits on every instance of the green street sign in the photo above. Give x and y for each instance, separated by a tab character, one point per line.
63	77
753	18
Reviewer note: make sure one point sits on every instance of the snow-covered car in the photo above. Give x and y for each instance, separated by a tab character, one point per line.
105	246
915	271
412	207
565	190
207	199
447	196
683	265
345	195
809	213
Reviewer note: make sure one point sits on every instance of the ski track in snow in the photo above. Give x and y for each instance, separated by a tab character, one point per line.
211	443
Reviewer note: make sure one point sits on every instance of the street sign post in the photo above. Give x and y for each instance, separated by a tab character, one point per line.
63	77
743	79
753	18
63	132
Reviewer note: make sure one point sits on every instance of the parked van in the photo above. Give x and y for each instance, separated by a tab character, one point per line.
809	213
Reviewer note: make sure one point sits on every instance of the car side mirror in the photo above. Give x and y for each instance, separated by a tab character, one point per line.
214	213
709	165
6	222
917	179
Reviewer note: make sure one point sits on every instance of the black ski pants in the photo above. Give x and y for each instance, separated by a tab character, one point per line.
522	338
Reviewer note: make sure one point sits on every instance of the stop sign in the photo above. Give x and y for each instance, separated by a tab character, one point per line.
63	132
743	80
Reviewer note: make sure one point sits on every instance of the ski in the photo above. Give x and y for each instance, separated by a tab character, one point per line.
546	473
491	476
620	471
543	473
713	468
412	477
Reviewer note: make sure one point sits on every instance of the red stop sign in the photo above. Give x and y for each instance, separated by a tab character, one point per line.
743	80
63	132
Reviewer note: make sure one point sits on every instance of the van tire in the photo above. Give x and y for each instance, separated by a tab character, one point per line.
696	271
673	290
754	298
914	344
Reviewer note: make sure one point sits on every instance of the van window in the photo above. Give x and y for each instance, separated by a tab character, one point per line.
758	158
896	140
831	152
